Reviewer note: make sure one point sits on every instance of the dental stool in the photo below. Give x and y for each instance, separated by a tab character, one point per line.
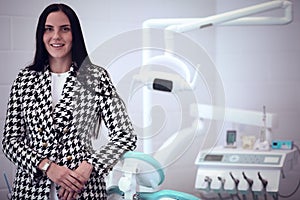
142	171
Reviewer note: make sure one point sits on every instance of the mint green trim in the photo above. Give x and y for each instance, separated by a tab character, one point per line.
166	194
114	190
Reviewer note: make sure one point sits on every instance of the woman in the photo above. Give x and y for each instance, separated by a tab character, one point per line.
55	108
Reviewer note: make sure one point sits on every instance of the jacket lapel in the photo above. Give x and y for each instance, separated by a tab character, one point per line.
63	111
44	99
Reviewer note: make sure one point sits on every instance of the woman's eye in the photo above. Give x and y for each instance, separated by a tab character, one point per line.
48	29
66	29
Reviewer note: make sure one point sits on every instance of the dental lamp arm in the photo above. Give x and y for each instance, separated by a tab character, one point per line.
237	17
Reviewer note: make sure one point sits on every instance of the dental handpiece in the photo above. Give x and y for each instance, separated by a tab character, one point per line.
235	180
222	180
263	181
250	183
208	180
264	184
236	184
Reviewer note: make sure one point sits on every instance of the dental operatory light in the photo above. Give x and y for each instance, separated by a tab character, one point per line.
166	73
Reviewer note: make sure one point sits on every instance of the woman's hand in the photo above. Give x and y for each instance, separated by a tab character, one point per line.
66	178
84	169
64	194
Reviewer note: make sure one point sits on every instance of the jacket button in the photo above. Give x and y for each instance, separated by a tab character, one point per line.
69	158
66	130
40	130
45	144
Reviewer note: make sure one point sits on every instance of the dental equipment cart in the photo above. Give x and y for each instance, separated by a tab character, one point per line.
242	173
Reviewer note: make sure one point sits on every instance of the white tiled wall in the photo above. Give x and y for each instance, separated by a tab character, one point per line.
258	65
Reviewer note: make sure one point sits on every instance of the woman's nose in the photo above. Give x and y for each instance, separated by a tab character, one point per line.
56	35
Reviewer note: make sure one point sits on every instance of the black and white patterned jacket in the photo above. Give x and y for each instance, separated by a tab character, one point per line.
34	130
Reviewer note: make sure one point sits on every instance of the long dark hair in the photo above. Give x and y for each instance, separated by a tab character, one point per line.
79	52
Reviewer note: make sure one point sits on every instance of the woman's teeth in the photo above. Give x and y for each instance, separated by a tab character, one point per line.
57	45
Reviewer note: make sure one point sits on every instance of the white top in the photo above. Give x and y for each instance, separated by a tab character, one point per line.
57	85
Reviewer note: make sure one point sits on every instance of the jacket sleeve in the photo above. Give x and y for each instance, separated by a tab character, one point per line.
121	133
14	136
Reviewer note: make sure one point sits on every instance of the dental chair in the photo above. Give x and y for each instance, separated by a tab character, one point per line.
143	170
142	174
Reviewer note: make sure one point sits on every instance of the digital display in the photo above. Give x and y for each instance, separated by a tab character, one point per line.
231	137
213	157
270	159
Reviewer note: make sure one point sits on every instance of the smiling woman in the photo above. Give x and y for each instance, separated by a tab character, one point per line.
58	41
53	113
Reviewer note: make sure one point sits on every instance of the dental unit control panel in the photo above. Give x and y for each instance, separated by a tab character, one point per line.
242	172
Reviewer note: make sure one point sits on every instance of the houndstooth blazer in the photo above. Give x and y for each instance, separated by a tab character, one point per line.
34	130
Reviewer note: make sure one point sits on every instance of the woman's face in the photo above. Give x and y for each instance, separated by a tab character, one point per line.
58	36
